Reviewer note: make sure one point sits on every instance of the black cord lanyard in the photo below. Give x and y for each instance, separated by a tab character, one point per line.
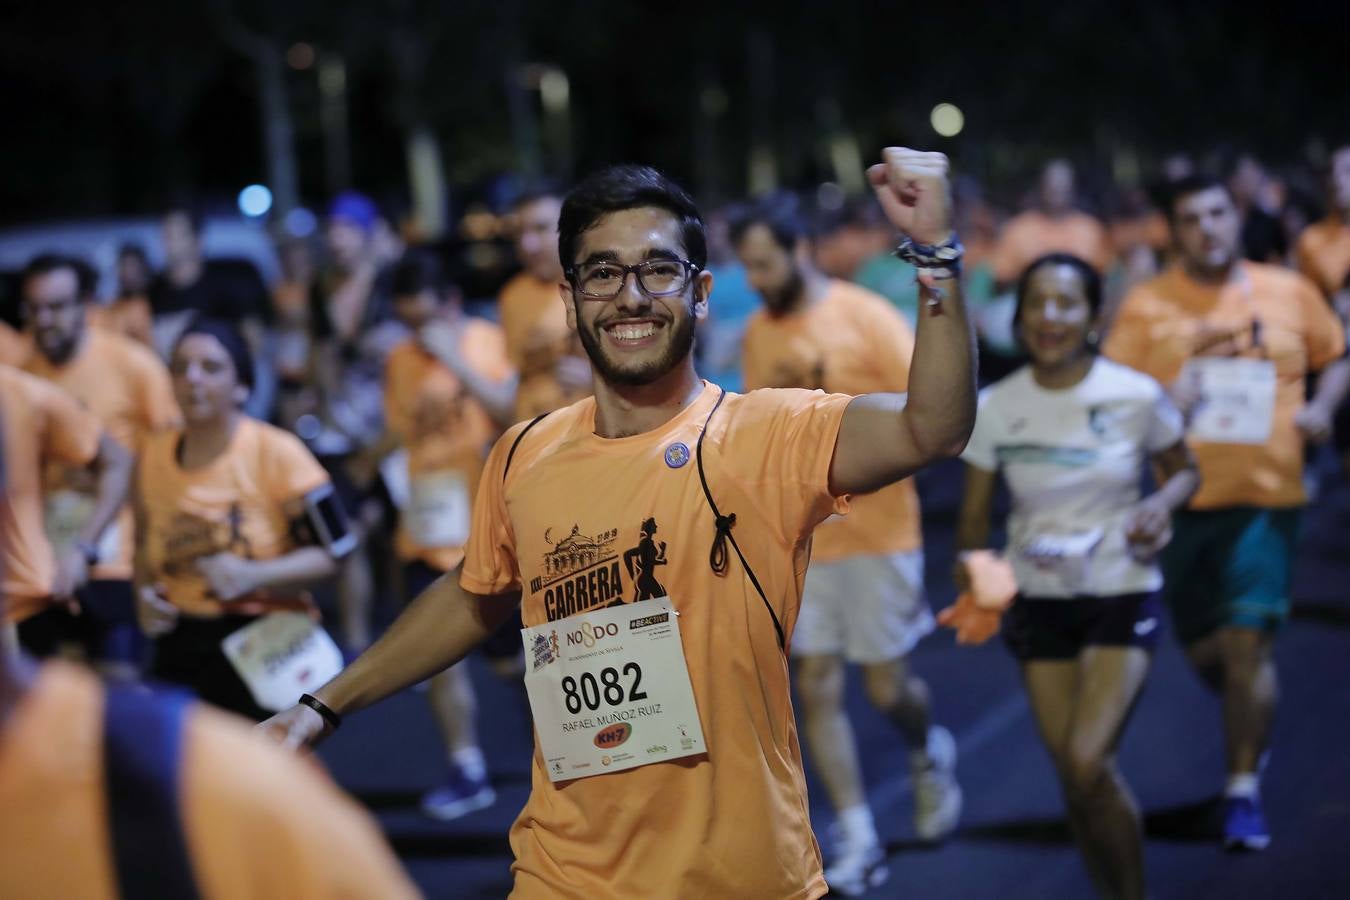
717	558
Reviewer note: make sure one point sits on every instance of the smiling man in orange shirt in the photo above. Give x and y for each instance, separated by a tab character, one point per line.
863	600
666	761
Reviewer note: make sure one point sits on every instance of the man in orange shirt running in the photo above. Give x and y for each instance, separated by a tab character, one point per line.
553	370
110	792
125	385
666	760
1054	226
1236	341
863	600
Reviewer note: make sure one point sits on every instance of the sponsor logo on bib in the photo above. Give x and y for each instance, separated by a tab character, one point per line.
613	736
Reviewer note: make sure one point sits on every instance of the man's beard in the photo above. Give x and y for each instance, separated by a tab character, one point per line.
677	348
783	299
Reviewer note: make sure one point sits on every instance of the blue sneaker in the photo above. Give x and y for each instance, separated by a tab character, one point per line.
1244	825
459	796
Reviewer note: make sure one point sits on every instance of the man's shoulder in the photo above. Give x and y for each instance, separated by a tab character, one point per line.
531	439
862	301
1270	279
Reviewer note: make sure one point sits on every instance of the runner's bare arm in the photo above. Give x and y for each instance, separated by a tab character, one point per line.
1315	418
115	466
886	437
977	509
439	629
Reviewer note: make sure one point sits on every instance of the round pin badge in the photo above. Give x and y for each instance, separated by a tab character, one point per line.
677	455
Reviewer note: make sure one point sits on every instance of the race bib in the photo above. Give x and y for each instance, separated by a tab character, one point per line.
281	656
438	510
1062	557
1237	400
65	514
610	690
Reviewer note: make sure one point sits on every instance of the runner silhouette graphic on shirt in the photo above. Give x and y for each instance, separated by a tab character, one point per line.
641	562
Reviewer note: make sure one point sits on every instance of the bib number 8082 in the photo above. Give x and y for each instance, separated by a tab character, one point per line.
590	692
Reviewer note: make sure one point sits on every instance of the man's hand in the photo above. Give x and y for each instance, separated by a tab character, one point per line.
914	189
228	575
297	728
155	615
1186	392
1314	423
72	573
1148	528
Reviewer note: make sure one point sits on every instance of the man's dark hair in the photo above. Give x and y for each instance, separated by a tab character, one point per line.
46	263
628	187
418	270
1091	278
134	250
780	213
1191	184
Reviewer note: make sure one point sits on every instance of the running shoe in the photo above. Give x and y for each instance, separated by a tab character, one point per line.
857	868
459	796
937	796
1244	824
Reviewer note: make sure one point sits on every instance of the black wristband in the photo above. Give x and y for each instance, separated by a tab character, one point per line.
333	719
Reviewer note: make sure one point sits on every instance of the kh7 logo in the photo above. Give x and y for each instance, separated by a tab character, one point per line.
613	736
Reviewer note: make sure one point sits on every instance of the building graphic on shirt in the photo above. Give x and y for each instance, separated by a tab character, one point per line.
575	553
579	572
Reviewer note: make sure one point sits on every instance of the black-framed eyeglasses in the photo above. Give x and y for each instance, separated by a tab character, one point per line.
655	277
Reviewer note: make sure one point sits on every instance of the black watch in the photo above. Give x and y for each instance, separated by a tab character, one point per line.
89	551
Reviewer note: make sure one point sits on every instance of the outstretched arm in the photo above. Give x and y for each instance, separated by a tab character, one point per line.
439	629
886	437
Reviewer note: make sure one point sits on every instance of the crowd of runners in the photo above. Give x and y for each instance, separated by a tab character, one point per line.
662	480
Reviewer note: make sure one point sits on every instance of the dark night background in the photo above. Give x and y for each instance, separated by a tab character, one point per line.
113	108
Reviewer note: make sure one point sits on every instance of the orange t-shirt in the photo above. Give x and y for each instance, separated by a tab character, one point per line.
258	821
1149	230
41	423
242	502
1171	318
127	316
14	347
1034	234
559	526
851	342
535	323
1323	252
446	432
126	386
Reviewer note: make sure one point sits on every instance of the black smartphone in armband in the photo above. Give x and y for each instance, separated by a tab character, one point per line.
328	521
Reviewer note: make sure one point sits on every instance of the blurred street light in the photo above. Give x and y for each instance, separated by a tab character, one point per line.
947	119
255	201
